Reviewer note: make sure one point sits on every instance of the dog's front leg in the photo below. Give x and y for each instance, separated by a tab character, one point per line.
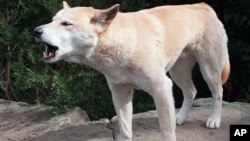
122	99
161	92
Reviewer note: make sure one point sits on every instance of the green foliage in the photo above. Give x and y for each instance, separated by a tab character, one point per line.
237	23
61	85
65	85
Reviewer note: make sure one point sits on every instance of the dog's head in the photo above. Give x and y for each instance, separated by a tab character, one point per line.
73	31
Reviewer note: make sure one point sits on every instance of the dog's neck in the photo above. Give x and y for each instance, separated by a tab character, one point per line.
107	53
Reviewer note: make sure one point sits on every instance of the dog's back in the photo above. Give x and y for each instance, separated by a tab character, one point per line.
169	32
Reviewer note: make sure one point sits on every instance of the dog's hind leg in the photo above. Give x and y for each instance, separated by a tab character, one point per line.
122	99
181	73
212	76
212	57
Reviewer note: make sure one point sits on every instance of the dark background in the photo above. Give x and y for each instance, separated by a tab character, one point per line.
25	77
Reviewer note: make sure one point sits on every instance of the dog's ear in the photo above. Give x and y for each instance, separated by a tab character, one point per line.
105	17
65	5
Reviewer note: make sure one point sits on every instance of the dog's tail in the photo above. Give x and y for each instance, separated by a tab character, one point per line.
225	72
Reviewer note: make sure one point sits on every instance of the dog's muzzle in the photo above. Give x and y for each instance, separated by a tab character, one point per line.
49	51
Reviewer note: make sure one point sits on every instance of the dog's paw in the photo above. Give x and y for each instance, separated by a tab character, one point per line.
123	138
213	123
180	118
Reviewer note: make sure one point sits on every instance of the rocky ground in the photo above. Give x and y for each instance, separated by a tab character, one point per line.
22	122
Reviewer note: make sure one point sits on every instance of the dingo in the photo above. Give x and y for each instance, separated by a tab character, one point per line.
135	50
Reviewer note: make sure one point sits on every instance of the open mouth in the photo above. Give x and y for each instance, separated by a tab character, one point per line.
49	51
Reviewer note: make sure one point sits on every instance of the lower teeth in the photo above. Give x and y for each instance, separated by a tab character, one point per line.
48	55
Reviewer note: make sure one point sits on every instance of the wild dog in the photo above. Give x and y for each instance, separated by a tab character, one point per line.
136	49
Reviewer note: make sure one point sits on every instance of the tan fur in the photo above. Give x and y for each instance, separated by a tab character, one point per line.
135	50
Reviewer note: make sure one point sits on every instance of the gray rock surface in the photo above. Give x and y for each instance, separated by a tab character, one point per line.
22	122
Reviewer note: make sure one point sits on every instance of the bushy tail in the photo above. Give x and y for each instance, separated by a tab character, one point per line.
225	72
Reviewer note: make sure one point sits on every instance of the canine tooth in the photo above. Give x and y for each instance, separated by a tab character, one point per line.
50	54
45	54
46	48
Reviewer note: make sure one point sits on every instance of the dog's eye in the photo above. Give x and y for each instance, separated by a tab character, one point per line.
66	23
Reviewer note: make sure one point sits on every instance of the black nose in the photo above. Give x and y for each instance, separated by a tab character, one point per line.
38	32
